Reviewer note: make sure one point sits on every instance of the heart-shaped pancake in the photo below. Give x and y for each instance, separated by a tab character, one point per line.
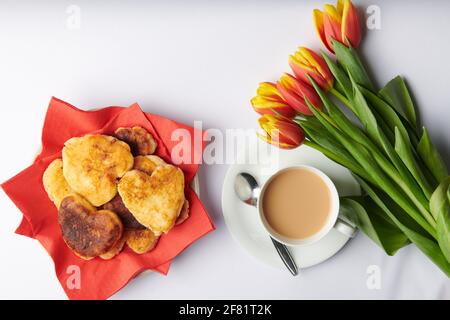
93	163
141	241
54	182
154	200
140	140
88	232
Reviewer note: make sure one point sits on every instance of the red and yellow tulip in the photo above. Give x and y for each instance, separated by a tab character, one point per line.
340	23
295	91
281	132
306	62
268	100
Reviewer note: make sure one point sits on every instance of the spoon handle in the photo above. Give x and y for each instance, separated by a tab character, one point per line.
285	255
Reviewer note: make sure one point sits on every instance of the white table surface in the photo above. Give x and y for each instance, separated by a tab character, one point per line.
202	60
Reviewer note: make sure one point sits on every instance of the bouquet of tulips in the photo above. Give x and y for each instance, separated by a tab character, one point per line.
405	181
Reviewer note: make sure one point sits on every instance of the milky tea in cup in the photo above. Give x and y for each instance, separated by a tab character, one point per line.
299	205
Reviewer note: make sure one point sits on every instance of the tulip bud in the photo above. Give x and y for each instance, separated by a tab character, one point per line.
281	132
340	23
306	62
295	91
268	100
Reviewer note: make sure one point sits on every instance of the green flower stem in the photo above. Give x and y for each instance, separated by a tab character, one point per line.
342	98
353	167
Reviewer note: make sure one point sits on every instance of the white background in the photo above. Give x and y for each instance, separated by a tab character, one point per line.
202	60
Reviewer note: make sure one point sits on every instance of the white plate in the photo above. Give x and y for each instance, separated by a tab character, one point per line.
242	219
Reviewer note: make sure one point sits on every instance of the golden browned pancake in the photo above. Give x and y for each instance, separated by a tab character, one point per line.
140	140
88	232
148	164
54	182
184	214
115	250
141	241
92	164
155	201
127	218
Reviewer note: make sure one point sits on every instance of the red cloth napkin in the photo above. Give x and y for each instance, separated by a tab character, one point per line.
99	279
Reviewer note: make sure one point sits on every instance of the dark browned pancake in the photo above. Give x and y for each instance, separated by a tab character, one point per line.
85	230
140	140
127	218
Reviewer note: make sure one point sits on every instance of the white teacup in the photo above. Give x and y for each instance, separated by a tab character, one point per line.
333	219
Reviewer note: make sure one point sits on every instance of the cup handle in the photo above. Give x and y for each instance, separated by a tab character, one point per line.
345	228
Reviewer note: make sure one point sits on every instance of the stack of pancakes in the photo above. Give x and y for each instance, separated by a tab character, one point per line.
111	191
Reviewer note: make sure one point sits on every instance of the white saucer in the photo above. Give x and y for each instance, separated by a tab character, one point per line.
242	219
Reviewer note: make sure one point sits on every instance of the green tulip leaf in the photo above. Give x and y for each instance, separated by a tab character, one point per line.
431	157
397	95
368	217
440	208
443	231
340	75
414	233
439	199
349	60
403	149
392	120
365	114
385	111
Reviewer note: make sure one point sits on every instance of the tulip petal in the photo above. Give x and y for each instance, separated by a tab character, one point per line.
332	31
306	62
264	122
259	102
295	91
275	143
296	101
268	89
318	68
283	133
333	14
318	22
316	61
270	101
269	140
351	30
332	22
302	71
301	63
263	137
308	92
290	133
340	7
